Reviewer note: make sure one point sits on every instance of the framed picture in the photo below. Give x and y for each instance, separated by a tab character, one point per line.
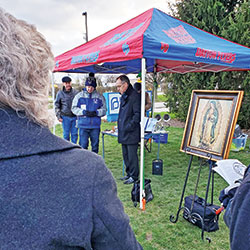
210	123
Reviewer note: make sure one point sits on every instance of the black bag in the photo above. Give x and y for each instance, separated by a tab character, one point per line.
196	215
157	167
135	193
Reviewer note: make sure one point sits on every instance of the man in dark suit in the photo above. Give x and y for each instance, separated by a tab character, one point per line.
129	127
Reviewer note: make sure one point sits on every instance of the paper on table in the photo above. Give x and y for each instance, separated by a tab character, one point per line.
149	124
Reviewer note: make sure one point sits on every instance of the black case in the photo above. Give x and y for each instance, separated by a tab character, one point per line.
196	215
157	167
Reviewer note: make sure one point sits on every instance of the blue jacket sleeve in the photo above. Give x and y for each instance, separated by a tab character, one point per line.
240	214
75	108
102	110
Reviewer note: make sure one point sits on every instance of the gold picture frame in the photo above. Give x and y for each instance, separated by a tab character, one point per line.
210	123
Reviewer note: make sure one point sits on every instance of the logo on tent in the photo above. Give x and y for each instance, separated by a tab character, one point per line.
164	47
89	58
122	36
125	48
179	35
216	55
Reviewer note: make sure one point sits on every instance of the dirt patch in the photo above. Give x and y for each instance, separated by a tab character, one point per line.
176	123
246	131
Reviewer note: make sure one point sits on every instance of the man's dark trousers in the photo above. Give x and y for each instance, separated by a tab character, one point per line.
130	157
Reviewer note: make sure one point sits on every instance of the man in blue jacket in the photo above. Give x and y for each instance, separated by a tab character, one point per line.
129	127
89	106
64	115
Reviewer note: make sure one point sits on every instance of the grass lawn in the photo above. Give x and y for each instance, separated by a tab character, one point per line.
161	98
152	226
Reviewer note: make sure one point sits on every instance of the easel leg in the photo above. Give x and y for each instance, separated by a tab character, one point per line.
183	192
211	163
212	190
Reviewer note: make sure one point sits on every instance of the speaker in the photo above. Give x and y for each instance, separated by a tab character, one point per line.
157	167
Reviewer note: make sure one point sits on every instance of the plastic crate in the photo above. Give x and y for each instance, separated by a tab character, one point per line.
163	138
239	143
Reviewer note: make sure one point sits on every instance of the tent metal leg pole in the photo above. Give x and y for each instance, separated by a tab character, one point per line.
103	153
143	75
154	92
53	99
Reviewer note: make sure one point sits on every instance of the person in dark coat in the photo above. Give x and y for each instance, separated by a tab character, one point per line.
129	127
64	114
54	194
239	215
148	102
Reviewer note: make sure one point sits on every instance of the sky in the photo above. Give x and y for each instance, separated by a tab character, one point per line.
63	25
62	22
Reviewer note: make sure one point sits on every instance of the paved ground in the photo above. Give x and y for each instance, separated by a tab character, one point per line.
160	107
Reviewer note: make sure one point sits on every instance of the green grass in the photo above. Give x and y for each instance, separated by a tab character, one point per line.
161	98
50	106
152	226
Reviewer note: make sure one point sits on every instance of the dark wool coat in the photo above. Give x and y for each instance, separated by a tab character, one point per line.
55	195
129	117
240	216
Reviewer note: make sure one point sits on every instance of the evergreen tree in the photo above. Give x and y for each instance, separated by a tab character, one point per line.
228	19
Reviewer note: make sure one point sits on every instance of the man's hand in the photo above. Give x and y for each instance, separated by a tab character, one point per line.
60	119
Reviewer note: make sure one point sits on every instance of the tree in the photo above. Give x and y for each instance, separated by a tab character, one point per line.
108	79
226	18
238	31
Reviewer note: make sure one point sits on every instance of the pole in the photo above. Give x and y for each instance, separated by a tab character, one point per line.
86	26
143	84
53	99
154	92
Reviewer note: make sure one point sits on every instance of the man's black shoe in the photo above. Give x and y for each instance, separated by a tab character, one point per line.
130	180
124	178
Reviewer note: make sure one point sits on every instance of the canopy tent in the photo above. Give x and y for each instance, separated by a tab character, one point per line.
154	42
165	42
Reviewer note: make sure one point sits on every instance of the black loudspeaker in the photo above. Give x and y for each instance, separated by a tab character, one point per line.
157	167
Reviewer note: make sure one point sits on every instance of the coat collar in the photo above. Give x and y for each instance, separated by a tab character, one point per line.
20	137
64	90
129	90
127	93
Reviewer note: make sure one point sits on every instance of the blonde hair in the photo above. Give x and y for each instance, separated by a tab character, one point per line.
26	61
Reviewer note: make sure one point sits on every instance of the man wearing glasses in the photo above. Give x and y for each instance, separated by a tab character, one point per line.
129	127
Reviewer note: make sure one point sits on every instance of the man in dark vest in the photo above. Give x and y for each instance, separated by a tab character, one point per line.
129	127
